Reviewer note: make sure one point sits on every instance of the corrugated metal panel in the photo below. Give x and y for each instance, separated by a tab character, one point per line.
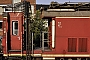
82	46
69	44
72	44
85	45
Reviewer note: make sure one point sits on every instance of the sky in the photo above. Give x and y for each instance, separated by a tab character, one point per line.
59	1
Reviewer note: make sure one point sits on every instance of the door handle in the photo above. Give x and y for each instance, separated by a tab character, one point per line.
18	38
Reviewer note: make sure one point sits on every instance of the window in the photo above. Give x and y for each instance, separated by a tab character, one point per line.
14	27
32	8
82	45
1	24
72	42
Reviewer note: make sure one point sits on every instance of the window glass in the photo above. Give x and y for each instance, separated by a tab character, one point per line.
0	25
14	27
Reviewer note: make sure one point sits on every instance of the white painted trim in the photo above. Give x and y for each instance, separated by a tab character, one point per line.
53	33
36	54
51	55
21	54
67	55
72	17
61	10
5	54
3	5
13	28
3	9
5	17
14	54
1	21
13	11
48	58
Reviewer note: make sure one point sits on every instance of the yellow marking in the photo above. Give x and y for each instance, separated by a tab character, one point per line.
51	55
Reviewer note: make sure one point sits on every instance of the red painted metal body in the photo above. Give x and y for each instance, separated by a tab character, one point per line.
16	40
4	45
71	28
13	30
72	38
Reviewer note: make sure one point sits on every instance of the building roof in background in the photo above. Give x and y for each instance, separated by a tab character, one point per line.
45	6
66	14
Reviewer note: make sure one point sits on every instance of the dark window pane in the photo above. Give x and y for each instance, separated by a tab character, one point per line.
14	27
0	25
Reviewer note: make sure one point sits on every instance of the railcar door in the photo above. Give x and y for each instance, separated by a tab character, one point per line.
16	30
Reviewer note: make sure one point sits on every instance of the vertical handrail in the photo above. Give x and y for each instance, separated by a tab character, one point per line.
53	33
42	41
32	43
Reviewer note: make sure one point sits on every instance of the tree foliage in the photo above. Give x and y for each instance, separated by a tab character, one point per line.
37	26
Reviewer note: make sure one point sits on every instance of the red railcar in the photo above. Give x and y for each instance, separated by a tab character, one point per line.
70	39
69	36
13	31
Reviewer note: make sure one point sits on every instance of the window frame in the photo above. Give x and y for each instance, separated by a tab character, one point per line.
1	29
13	27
